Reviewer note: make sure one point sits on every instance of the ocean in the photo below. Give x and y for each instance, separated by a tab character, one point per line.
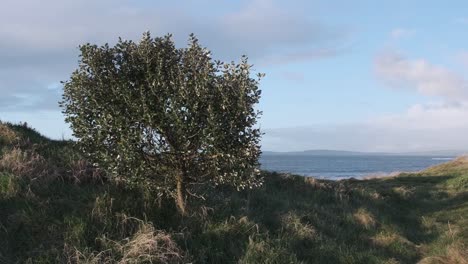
342	167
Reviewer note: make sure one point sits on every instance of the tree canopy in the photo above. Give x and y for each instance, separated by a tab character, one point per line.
166	118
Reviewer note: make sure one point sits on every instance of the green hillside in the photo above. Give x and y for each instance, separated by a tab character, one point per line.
56	208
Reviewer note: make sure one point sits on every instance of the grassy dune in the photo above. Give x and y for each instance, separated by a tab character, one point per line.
56	208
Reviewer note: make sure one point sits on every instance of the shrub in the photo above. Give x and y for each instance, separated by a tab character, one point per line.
167	118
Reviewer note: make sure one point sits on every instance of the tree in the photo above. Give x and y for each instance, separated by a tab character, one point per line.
164	117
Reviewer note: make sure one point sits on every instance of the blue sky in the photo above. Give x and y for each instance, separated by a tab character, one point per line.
352	75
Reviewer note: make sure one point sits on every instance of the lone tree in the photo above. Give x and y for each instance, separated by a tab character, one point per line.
164	117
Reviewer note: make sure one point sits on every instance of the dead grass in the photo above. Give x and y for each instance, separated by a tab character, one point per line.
460	163
7	135
316	183
146	245
382	175
365	218
31	165
457	253
386	239
25	164
462	160
82	171
404	192
293	225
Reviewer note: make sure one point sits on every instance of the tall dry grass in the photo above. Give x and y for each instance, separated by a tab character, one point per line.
457	253
146	245
7	135
25	164
82	171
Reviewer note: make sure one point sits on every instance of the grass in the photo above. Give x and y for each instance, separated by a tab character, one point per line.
71	214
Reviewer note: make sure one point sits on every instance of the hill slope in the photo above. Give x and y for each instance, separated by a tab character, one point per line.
56	208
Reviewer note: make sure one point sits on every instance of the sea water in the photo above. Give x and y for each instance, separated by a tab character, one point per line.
341	167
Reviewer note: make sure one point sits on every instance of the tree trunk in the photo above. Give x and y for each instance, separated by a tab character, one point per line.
181	194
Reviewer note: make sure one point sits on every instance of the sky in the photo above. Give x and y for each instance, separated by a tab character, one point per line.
345	75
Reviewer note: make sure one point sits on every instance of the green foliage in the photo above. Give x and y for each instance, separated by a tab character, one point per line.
165	118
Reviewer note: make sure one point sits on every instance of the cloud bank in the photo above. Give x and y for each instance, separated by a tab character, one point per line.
39	39
428	79
421	128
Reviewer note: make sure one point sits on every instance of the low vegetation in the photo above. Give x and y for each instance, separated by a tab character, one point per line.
57	208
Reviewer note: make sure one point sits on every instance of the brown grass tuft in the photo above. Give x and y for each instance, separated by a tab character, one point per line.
7	135
318	184
83	171
456	253
147	245
386	239
404	192
27	164
365	218
294	225
102	208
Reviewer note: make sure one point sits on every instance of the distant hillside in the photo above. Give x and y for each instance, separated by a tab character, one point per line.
320	152
325	152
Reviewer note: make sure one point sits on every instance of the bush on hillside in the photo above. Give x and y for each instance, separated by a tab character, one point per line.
164	117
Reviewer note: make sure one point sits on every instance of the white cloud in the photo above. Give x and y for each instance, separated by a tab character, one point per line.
426	78
438	126
428	117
